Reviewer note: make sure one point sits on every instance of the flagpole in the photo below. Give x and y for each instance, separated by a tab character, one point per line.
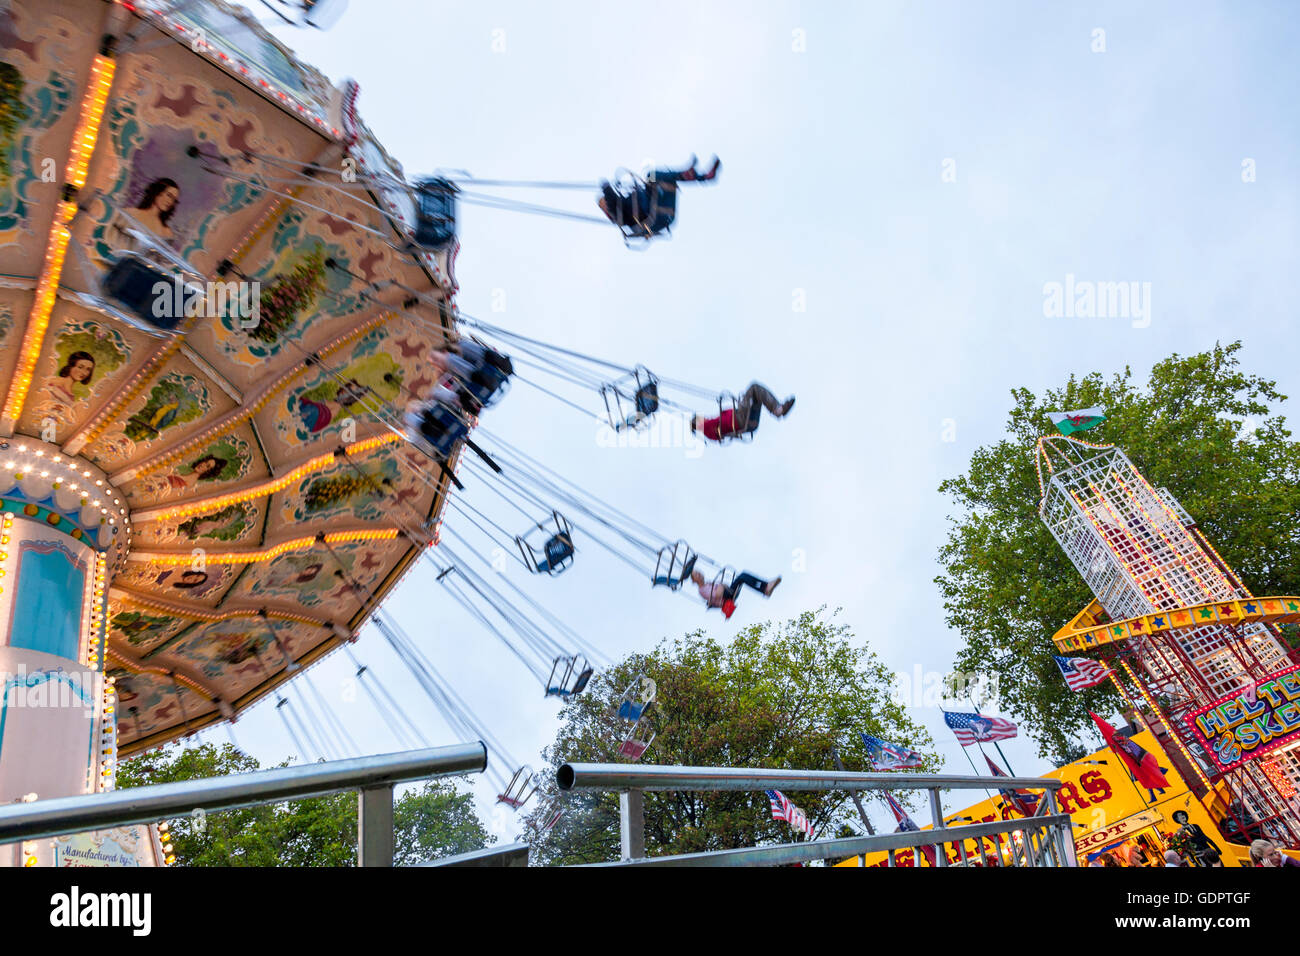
1111	750
835	752
969	761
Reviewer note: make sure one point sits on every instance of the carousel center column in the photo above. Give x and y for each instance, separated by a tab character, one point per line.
63	529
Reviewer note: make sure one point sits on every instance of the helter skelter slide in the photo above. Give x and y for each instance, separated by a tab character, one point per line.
1190	647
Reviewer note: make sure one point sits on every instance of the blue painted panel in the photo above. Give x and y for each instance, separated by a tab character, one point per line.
47	601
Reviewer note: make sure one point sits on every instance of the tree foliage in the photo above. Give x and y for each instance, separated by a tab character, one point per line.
1007	585
435	820
779	696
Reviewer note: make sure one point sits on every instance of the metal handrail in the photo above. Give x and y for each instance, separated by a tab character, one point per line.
374	776
616	776
786	853
1051	829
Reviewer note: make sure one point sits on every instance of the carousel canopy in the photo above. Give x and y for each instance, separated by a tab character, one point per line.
208	296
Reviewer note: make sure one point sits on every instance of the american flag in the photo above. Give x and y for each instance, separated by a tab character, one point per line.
976	728
887	756
783	809
1082	672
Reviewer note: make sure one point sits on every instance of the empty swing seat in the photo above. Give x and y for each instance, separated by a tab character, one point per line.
435	213
566	678
520	788
555	554
673	566
636	698
133	283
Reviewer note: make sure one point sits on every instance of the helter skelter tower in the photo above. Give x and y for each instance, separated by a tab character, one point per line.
1188	642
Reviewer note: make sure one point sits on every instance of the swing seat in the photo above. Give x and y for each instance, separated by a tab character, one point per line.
520	788
563	682
488	385
729	403
440	429
633	749
673	566
654	208
632	399
555	554
633	746
435	213
636	698
132	283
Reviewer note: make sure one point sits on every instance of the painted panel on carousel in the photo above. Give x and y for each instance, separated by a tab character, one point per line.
84	360
167	113
298	298
179	585
366	490
233	31
241	650
140	628
232	524
174	405
210	470
44	59
363	384
312	578
161	705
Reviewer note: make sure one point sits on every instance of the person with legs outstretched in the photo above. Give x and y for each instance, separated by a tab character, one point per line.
743	418
652	206
721	596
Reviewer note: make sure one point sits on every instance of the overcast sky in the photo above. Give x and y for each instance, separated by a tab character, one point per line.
924	298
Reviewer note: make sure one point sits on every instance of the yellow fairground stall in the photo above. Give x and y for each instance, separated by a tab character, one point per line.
1117	821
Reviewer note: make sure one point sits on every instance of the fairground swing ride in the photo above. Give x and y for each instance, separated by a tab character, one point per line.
237	397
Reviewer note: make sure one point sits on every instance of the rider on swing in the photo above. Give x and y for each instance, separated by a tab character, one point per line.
658	194
742	419
722	596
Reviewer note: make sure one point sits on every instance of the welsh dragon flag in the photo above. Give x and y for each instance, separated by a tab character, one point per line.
1070	422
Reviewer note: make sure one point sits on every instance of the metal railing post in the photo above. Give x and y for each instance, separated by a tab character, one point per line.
631	824
1059	834
375	839
936	817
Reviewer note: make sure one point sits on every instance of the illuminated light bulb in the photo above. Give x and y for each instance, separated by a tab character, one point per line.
30	861
170	860
39	453
167	848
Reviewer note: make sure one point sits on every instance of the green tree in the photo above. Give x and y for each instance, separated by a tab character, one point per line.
779	695
1007	585
437	819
